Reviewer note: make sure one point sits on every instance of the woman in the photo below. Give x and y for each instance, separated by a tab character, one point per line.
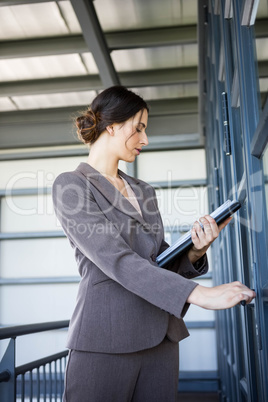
128	318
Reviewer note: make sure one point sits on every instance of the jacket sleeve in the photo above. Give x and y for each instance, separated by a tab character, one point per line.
183	266
103	245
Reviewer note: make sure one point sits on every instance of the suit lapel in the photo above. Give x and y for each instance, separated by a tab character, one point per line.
113	195
144	199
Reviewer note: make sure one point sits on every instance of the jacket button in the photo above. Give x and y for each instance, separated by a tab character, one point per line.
153	258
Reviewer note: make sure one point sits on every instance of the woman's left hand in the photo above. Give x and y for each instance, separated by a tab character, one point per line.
202	238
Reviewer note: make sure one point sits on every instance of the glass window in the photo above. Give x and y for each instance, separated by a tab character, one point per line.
180	207
28	213
199	351
36	303
38	173
33	173
41	344
172	165
30	258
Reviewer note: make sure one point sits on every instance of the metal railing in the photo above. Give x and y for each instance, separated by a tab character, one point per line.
40	380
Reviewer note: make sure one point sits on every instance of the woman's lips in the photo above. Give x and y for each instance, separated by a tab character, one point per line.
138	150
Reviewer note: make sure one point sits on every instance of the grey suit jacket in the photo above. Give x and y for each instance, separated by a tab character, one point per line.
125	302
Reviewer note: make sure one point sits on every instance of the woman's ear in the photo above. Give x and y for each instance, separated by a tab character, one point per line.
110	130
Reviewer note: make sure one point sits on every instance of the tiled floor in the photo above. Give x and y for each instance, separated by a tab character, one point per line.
198	397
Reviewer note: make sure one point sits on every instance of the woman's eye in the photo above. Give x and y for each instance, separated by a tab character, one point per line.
138	131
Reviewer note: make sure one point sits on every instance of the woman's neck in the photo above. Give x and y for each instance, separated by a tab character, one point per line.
103	161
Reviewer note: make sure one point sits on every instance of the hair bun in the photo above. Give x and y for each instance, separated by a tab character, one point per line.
116	104
87	129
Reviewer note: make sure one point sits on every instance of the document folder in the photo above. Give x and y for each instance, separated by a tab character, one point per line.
185	242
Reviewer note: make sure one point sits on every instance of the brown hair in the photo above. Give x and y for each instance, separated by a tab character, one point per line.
116	104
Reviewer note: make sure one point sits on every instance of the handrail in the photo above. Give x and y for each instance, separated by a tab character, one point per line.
24	380
19	330
5	376
38	363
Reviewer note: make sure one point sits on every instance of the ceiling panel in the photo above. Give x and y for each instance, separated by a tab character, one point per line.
158	57
263	85
262	9
262	48
90	63
41	67
69	16
6	104
31	20
54	100
57	18
132	14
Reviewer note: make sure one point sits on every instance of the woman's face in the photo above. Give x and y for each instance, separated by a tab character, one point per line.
131	137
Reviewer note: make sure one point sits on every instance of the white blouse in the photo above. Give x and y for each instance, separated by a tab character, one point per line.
131	196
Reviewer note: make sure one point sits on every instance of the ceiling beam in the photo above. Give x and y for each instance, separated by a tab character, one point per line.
140	38
131	79
261	28
163	76
162	143
51	85
94	38
263	68
53	127
173	106
159	107
42	46
93	82
6	3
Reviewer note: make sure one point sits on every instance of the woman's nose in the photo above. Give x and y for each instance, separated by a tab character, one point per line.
144	139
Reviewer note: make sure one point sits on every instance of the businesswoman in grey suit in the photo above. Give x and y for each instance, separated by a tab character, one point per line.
128	320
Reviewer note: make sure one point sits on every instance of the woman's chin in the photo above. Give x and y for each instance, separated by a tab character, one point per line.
129	158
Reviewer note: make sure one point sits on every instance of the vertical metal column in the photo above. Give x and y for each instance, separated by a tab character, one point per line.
229	66
7	372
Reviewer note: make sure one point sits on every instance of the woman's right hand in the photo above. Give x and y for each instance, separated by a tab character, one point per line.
221	297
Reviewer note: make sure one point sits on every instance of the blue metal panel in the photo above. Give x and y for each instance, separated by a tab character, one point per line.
229	66
197	381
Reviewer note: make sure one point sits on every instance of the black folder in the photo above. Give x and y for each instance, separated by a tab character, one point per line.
185	242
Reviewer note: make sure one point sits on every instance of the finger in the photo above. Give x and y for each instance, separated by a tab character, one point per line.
247	296
213	225
195	237
197	233
210	233
225	223
199	230
251	295
241	298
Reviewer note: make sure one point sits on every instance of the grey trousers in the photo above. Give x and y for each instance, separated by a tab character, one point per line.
150	375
